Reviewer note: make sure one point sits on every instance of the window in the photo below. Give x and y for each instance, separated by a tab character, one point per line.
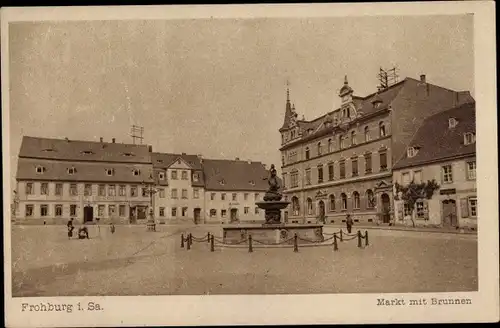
246	210
184	194
184	175
320	173
121	210
342	169
320	150
309	206
471	170
44	210
133	191
111	190
411	152
234	196
72	210
330	145
251	182
469	138
295	206
29	210
71	171
307	153
354	166
473	206
406	210
282	160
419	206
368	163
173	175
144	192
122	190
370	199
343	198
162	211
406	178
174	193
342	142
356	203
161	193
161	175
110	172
256	196
222	182
367	134
196	177
29	188
87	190
223	213
44	188
383	161
245	195
100	210
196	193
59	189
353	138
73	189
223	196
136	172
294	179
256	210
284	181
308	176
40	169
58	210
331	173
174	212
447	174
332	203
381	128
452	122
212	196
213	213
102	190
417	176
111	210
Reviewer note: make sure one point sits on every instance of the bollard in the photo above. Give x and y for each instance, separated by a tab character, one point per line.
250	248
190	239
182	241
366	237
295	244
208	237
335	246
188	243
359	239
211	243
341	238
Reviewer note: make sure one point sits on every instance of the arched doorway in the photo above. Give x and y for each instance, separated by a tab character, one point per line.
386	208
449	213
196	215
321	206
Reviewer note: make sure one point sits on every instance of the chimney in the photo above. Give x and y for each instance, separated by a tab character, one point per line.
422	78
150	148
113	140
100	139
249	161
237	159
183	154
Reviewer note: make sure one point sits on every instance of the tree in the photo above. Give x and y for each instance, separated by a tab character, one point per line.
415	191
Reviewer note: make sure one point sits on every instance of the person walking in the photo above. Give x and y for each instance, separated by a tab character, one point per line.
71	227
349	223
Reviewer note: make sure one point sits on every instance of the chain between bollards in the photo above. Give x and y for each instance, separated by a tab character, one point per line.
295	243
366	237
182	241
359	239
212	243
250	247
335	245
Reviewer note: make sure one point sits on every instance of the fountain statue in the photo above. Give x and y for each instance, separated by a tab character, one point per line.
272	204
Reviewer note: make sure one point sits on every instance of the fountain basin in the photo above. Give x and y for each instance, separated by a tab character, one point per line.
272	205
273	233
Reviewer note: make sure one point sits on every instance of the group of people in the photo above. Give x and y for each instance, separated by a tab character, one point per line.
83	231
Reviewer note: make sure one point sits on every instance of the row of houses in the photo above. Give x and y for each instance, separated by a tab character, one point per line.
404	154
58	179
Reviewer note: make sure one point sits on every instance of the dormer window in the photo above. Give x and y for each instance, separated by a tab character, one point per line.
40	169
136	172
128	154
159	161
411	152
179	161
71	170
87	152
452	122
110	172
161	175
252	182
469	138
196	177
222	182
48	150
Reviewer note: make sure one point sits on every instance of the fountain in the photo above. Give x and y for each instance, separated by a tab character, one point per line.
273	230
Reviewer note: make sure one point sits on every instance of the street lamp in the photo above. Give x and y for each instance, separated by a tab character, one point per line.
150	190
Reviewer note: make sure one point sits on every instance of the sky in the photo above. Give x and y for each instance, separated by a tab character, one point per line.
215	87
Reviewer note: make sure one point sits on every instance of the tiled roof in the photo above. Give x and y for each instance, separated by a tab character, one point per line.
164	160
437	141
77	150
234	175
58	171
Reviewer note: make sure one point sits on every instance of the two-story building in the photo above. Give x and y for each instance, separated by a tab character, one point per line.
442	150
341	162
59	179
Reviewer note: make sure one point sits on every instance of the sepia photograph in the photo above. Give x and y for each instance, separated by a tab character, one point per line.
226	156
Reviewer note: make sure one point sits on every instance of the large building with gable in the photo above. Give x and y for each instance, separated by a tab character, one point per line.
342	162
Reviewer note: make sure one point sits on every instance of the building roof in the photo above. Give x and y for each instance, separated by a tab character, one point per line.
78	150
234	175
164	160
435	141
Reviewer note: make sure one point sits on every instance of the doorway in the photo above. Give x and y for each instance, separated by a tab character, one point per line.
88	214
321	211
386	208
133	215
141	212
234	214
196	214
449	213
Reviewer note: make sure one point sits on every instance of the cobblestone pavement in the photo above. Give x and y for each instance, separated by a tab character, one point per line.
136	262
